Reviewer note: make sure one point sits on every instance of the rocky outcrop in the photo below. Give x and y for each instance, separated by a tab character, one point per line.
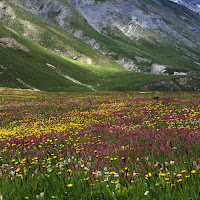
191	4
140	35
12	43
161	85
189	83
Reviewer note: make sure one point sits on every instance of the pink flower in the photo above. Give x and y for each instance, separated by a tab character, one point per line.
194	164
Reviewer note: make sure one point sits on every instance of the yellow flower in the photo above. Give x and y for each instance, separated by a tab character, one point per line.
179	180
17	170
179	175
117	181
69	185
193	171
161	174
69	170
26	198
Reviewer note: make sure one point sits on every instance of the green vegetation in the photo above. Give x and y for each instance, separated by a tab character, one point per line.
32	69
27	70
101	145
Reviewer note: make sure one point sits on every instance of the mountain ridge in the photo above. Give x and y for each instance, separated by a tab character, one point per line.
140	27
193	5
91	52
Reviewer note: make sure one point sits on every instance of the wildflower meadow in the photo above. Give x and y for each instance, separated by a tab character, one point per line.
106	145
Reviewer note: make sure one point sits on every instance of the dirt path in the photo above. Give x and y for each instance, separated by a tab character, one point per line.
69	78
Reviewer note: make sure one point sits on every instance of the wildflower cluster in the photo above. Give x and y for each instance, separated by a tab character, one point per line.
122	144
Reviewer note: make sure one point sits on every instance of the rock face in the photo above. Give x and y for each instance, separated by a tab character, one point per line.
191	4
136	19
161	85
12	43
123	30
190	83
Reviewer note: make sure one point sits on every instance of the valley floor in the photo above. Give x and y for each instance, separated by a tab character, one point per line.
99	145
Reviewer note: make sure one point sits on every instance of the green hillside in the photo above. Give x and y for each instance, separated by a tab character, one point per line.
28	70
162	46
38	54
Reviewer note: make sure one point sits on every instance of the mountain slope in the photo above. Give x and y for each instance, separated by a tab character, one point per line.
153	36
51	37
75	52
191	4
25	64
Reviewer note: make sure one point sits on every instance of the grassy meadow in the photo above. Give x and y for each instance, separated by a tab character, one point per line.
99	145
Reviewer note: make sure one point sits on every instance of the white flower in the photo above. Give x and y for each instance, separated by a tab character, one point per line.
53	197
61	166
41	194
12	173
85	168
1	197
146	193
134	174
172	162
